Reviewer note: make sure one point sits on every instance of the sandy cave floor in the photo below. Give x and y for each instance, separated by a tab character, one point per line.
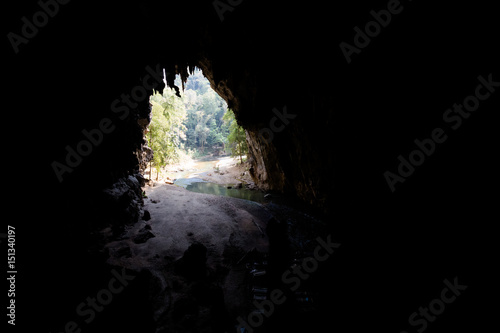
229	228
224	170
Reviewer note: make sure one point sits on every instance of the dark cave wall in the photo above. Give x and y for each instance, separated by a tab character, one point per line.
263	56
99	64
353	120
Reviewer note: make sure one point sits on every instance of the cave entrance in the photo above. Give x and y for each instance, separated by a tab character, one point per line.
196	141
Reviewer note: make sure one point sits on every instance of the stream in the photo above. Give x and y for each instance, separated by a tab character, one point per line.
189	179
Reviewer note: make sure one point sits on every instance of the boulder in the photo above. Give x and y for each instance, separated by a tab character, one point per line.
146	216
123	252
123	201
140	178
184	309
192	265
143	236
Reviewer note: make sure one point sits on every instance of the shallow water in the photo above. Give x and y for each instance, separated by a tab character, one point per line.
199	167
211	188
190	182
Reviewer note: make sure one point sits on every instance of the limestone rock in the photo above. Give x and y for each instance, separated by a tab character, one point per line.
146	216
192	265
143	236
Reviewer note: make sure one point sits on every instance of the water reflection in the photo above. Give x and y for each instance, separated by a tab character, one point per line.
211	188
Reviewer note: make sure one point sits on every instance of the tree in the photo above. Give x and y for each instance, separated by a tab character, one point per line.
237	139
205	109
201	127
166	129
157	138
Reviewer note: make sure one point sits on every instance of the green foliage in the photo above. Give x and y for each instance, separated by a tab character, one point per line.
166	129
205	129
195	124
237	136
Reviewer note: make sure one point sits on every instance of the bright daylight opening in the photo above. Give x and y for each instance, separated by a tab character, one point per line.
197	143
